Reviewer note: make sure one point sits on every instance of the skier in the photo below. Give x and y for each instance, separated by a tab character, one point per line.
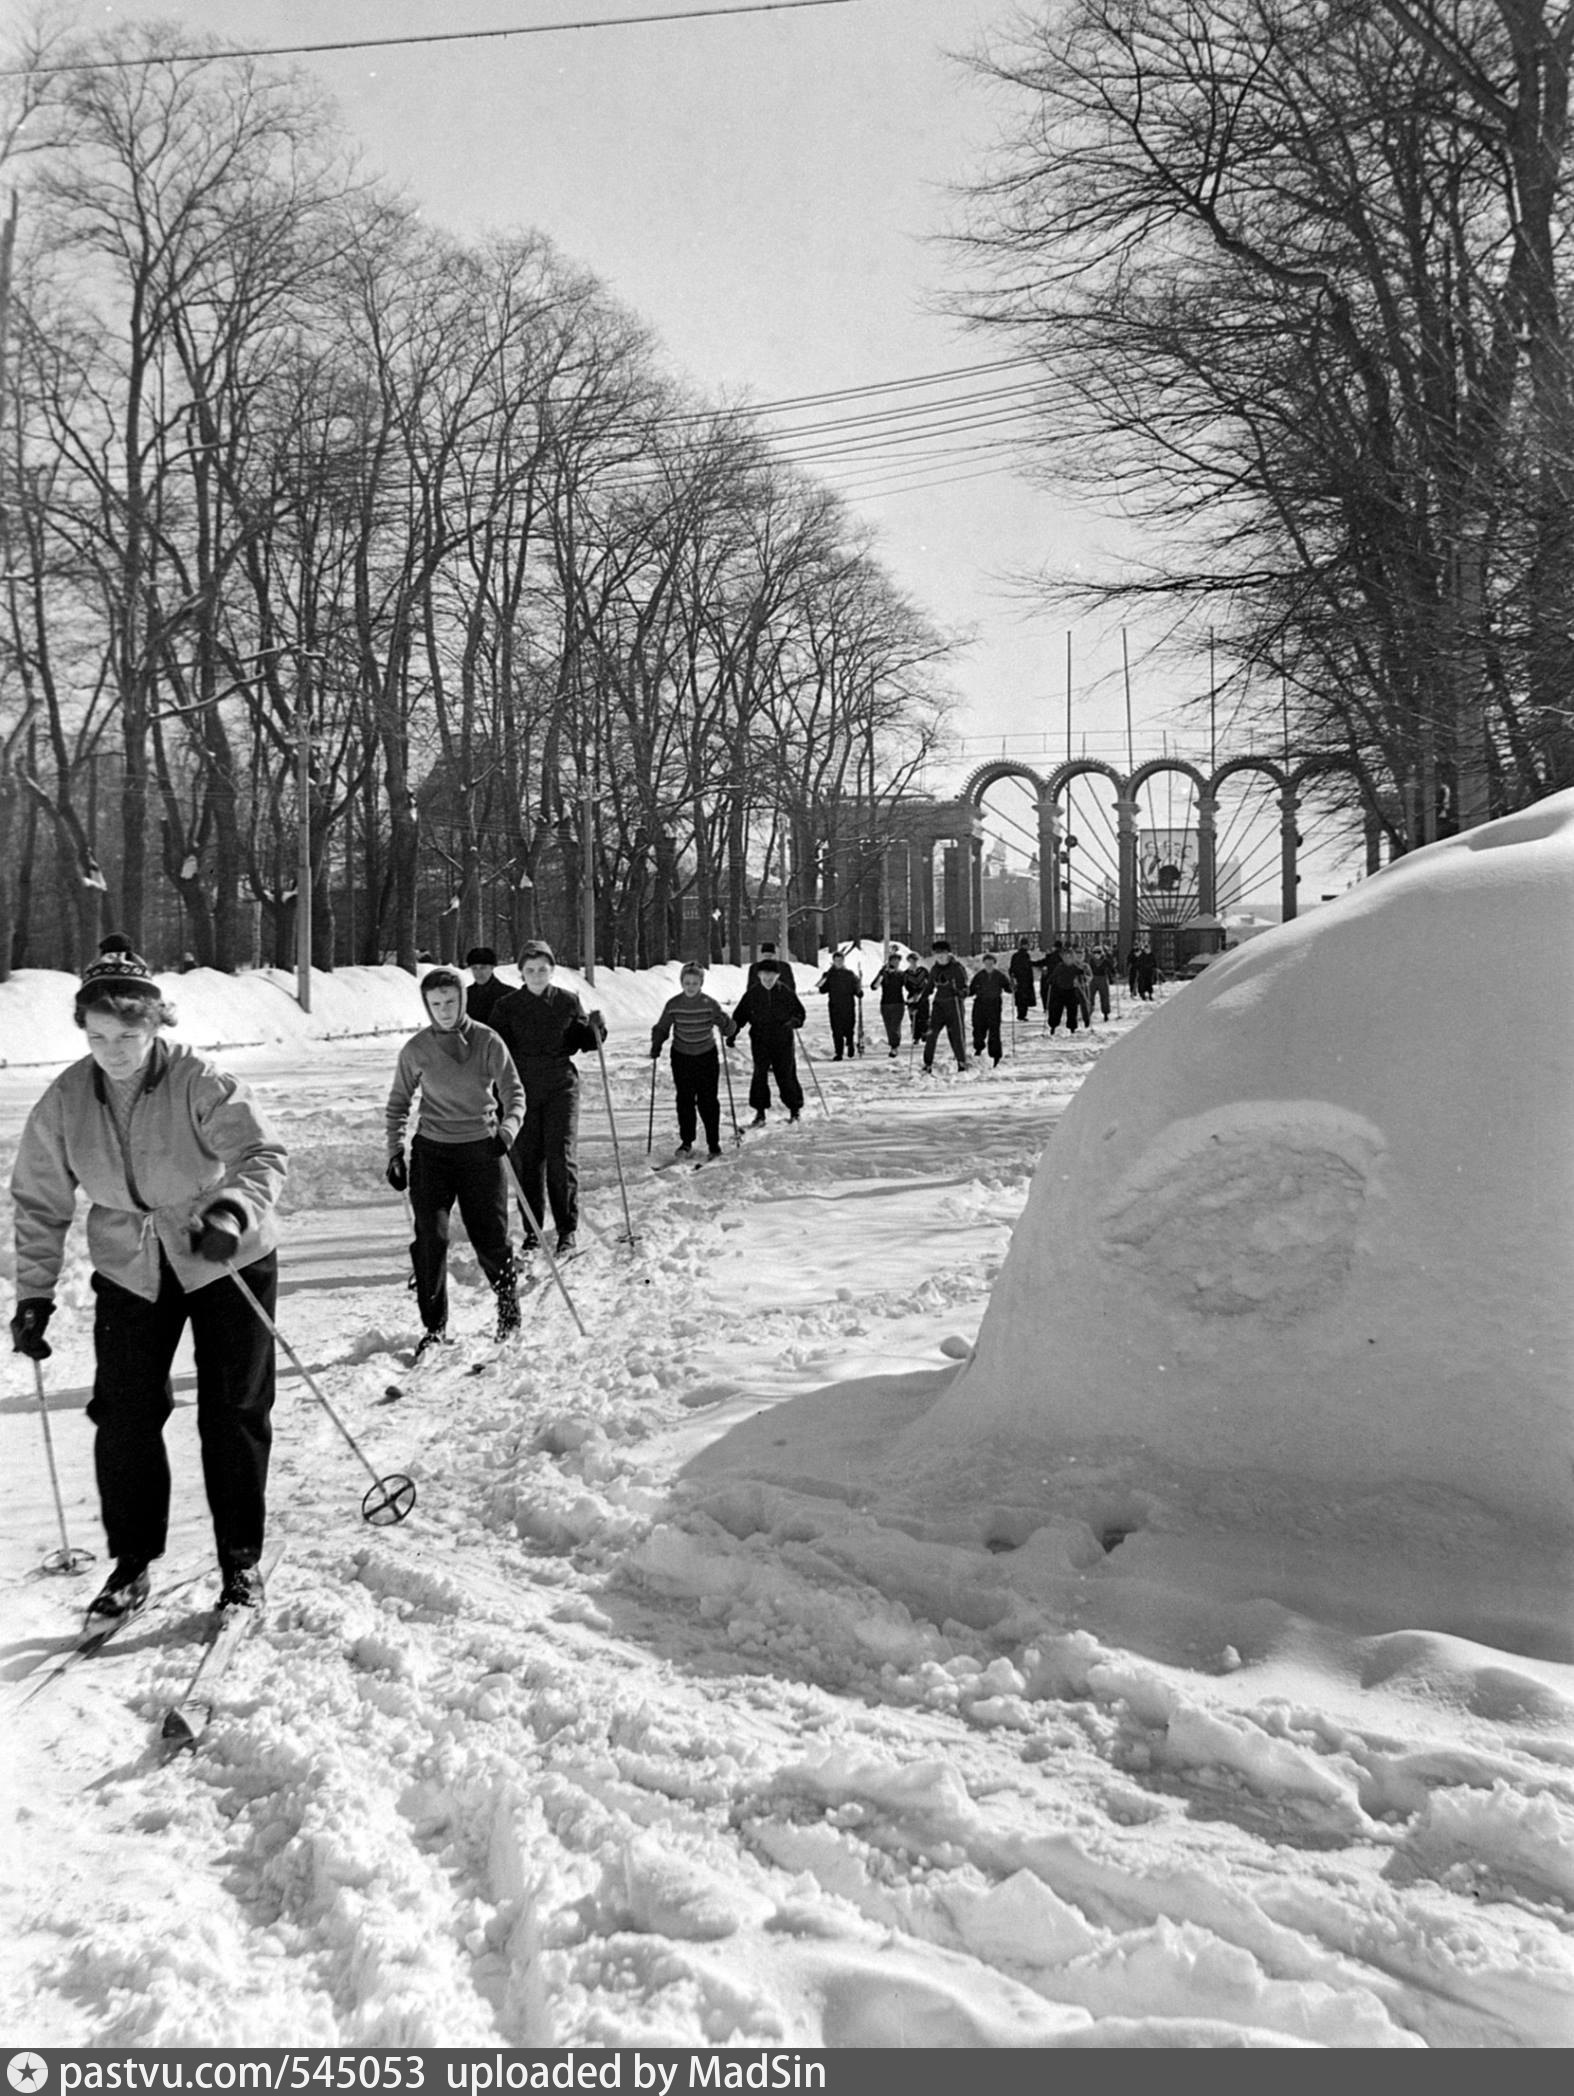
987	990
1022	986
843	994
1146	963
893	997
771	1010
182	1174
948	987
768	959
693	1019
915	982
472	1106
543	1025
1063	989
486	992
1101	965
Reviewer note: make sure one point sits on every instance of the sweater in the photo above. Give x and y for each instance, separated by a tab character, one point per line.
691	1021
468	1084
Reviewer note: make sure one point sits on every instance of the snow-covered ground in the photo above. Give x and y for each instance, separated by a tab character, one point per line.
675	1715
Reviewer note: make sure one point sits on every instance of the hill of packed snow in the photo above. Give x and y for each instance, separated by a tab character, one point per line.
844	1643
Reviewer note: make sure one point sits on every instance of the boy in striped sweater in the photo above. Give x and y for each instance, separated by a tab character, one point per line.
692	1019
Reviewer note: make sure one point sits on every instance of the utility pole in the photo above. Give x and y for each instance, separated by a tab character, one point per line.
303	824
587	890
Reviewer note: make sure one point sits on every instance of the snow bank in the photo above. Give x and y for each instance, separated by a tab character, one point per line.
1299	1259
258	1007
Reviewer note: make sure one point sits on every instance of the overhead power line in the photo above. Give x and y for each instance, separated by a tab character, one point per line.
385	43
884	385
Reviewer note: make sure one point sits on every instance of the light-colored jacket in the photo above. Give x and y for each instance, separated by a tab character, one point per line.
195	1134
469	1087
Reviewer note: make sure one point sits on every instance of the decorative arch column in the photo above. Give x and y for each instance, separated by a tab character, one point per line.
1289	845
1207	858
1126	828
1048	869
923	892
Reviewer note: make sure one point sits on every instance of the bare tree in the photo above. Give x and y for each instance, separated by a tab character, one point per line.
1263	251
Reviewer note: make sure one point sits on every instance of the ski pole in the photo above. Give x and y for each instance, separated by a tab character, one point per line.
540	1237
732	1106
650	1125
617	1154
388	1499
65	1559
814	1073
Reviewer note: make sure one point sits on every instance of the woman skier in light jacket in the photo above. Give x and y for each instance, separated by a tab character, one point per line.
182	1173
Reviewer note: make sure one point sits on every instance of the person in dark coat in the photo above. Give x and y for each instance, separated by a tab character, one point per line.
915	981
544	1027
948	990
486	992
1147	964
1063	989
1101	966
1131	971
771	1010
1023	986
843	993
768	958
893	997
987	990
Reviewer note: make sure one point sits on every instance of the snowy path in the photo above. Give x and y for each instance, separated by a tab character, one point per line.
612	1744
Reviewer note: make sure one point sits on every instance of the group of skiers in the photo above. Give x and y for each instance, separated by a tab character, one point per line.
499	1101
183	1173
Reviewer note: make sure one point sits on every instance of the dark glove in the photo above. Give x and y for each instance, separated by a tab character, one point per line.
501	1147
397	1175
217	1232
33	1312
655	1050
598	1027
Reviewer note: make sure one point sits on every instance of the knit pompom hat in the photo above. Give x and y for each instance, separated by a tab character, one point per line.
118	974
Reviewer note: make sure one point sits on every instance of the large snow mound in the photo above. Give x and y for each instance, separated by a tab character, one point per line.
1299	1253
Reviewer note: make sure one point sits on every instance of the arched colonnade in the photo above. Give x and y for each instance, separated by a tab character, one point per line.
955	830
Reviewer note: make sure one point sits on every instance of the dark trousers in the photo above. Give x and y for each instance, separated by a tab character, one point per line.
546	1156
986	1030
695	1078
1098	992
947	1020
1064	1004
1025	999
774	1057
844	1033
920	1012
134	1343
893	1015
440	1174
